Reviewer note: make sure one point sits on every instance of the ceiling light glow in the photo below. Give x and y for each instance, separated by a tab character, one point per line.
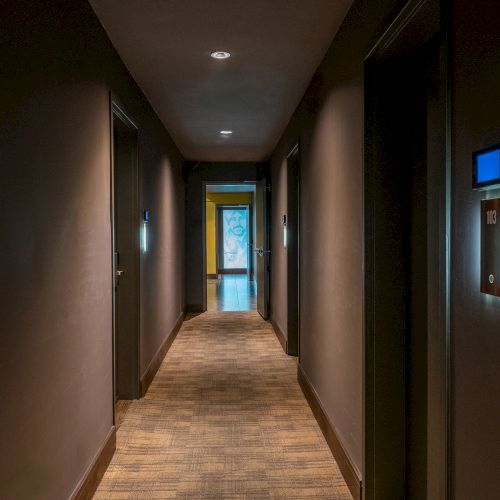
219	54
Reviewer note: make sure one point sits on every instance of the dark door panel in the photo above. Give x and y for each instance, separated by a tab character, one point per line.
126	259
262	249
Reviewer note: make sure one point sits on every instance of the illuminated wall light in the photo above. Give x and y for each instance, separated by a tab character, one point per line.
225	133
144	237
285	232
144	230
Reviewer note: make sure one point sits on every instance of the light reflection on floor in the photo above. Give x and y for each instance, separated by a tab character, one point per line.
231	292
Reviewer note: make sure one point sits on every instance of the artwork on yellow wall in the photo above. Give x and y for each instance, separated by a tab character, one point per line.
212	200
234	235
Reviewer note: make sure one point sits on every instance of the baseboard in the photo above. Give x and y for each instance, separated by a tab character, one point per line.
158	358
281	336
195	308
212	276
88	484
347	468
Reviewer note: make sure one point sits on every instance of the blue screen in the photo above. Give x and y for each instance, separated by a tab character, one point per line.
488	166
235	236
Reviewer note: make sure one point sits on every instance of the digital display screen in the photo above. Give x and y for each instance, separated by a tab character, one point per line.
486	167
235	234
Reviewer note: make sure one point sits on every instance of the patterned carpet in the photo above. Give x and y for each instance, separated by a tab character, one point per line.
224	419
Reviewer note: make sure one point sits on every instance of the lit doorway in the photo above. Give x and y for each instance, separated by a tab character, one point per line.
230	257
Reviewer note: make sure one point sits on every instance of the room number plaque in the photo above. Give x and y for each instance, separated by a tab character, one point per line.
490	247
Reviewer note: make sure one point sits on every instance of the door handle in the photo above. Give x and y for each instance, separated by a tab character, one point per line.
119	272
260	252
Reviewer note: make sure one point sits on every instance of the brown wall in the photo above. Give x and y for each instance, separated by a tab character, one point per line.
278	291
475	316
57	68
162	267
329	123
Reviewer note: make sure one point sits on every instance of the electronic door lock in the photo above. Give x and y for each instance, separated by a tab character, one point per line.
260	252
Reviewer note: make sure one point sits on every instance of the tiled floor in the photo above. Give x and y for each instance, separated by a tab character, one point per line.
231	292
224	419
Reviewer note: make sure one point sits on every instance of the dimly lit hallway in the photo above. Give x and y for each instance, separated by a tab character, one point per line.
358	133
224	418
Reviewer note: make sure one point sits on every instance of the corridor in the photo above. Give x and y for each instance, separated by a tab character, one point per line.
343	154
224	419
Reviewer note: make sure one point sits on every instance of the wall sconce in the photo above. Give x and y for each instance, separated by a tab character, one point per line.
285	234
144	231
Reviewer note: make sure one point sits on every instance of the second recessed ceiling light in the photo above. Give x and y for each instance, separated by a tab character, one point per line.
219	54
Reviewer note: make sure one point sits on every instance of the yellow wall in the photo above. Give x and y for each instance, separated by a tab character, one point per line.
214	199
211	240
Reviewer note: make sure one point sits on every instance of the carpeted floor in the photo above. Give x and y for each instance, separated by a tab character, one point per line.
224	419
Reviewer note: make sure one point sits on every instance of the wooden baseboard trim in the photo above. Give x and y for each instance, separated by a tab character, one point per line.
195	308
281	336
88	484
348	470
158	358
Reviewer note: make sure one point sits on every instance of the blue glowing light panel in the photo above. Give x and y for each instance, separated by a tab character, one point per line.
235	234
486	165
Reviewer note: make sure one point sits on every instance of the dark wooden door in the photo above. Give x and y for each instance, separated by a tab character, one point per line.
262	250
292	250
126	253
405	242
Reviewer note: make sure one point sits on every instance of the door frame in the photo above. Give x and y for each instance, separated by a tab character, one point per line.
118	112
394	41
263	305
203	201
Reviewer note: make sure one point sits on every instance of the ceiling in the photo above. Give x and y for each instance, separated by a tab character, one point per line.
275	46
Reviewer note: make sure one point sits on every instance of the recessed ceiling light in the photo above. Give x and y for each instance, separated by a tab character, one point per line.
226	132
219	54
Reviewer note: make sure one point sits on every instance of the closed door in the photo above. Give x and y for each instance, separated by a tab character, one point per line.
262	250
292	250
405	266
125	259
